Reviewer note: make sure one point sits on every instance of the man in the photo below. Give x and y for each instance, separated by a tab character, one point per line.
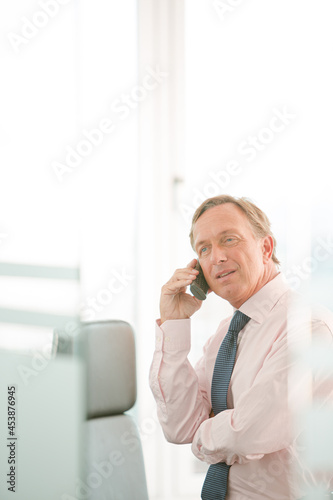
252	438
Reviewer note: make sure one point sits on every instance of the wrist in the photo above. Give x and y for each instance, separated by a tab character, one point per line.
163	319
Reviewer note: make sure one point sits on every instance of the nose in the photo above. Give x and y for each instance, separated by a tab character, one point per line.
217	255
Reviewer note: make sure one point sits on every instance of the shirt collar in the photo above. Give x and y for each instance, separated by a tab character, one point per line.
261	303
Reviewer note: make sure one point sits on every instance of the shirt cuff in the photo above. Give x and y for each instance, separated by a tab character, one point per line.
173	335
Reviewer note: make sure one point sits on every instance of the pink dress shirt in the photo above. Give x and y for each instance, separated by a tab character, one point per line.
255	435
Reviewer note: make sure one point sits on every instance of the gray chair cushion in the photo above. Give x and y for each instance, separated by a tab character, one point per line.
111	369
113	461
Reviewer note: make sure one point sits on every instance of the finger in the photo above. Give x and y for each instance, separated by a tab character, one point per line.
175	286
192	264
182	274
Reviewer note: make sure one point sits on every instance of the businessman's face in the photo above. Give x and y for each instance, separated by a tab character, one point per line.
236	264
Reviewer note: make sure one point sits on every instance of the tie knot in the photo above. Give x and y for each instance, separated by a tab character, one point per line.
238	322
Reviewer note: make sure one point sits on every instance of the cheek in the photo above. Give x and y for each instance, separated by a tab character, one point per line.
248	261
205	268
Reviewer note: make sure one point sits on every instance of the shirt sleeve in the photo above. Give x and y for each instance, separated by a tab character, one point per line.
179	389
261	422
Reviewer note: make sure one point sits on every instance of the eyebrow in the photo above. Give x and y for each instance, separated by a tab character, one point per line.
231	230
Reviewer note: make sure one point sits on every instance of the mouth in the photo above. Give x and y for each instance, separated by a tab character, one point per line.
222	276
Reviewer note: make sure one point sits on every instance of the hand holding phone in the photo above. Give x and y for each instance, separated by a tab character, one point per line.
175	302
199	286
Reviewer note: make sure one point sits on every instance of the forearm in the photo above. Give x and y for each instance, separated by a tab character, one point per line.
244	433
181	400
262	421
259	424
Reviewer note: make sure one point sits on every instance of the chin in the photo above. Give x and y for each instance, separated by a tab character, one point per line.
223	294
227	293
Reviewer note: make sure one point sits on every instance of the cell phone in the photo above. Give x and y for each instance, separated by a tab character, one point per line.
199	286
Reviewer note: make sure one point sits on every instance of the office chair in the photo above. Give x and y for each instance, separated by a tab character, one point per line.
113	454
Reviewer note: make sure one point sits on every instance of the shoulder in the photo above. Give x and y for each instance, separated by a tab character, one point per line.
303	313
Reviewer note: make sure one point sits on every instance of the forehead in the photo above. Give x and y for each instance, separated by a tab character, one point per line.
221	218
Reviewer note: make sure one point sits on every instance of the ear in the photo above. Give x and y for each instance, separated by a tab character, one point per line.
267	246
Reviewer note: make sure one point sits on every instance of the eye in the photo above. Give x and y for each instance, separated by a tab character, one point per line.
230	240
203	250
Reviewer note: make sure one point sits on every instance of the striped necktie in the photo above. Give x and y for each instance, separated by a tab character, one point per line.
215	485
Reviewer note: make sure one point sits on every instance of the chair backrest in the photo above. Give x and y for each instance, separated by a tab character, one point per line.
113	453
